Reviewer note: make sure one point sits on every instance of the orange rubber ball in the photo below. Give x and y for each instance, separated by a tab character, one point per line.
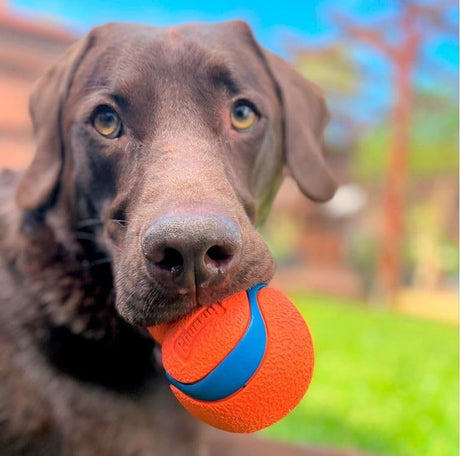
241	364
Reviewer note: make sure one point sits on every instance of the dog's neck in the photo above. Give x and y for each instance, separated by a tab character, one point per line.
75	321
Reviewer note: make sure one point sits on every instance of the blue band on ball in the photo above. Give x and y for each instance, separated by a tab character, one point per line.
237	368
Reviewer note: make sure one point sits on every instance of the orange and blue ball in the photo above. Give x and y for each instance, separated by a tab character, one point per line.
241	364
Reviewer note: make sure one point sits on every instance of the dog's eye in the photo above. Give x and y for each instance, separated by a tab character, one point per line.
243	116
107	122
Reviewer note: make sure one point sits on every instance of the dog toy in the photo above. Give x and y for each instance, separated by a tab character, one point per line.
241	364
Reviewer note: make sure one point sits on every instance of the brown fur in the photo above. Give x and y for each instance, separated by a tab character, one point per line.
76	379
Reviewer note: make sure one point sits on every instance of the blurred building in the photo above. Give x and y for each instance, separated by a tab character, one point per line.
27	49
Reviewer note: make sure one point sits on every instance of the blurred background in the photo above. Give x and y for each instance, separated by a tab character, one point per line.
375	270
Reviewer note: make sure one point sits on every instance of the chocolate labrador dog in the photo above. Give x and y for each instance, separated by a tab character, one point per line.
158	152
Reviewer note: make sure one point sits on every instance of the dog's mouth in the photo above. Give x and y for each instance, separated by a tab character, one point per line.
142	302
156	306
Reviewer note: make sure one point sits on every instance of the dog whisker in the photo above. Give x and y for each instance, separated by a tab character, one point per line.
126	221
121	223
89	222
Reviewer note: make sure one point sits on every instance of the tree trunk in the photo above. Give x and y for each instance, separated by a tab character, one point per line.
394	192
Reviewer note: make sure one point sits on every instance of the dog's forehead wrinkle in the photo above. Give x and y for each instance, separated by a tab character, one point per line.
160	58
198	47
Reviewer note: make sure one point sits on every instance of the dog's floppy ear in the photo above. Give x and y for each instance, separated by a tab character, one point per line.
305	117
39	182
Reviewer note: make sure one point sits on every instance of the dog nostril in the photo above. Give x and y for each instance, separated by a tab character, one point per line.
172	260
217	256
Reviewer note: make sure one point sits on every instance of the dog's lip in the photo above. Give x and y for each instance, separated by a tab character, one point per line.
170	317
179	311
174	304
182	311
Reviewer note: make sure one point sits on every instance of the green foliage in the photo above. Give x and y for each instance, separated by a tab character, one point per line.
426	241
383	383
433	145
449	256
332	68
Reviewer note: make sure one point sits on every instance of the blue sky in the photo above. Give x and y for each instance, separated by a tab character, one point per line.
274	23
310	20
269	20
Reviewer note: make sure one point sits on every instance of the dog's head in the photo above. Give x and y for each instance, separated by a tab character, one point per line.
174	139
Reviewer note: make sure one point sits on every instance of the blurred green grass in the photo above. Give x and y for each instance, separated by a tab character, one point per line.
383	383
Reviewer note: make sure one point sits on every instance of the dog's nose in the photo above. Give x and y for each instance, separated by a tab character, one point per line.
191	251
